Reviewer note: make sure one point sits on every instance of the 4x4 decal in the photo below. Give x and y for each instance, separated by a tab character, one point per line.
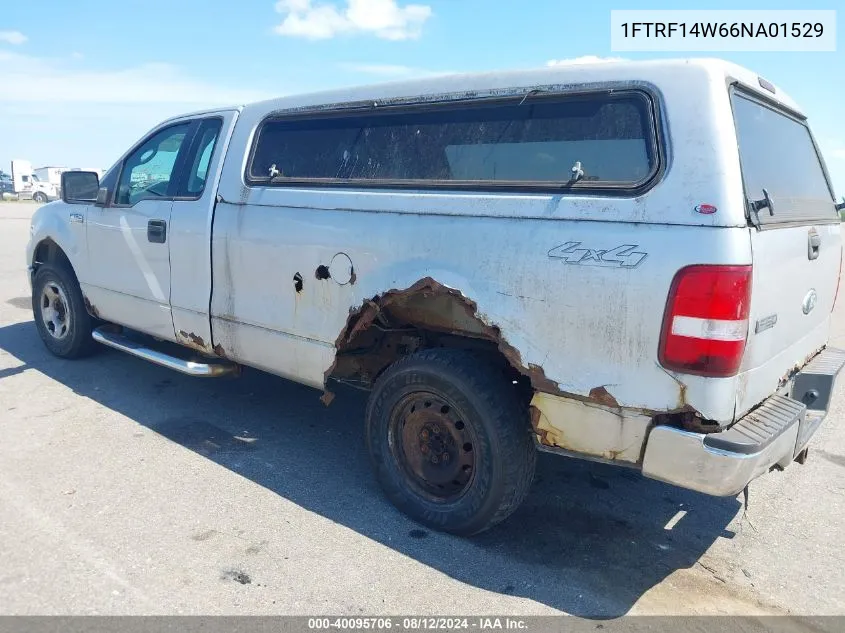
620	257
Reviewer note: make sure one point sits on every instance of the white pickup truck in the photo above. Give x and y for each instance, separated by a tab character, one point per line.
632	262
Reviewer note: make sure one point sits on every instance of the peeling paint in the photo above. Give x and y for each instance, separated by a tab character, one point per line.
541	431
602	396
192	339
594	430
688	420
798	366
682	394
430	306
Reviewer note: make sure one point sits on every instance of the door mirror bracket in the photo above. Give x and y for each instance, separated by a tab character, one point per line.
102	197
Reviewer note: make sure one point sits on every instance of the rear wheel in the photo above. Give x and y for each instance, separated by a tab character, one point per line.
59	309
450	441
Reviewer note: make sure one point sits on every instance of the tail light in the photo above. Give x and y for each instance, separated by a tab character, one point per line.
706	320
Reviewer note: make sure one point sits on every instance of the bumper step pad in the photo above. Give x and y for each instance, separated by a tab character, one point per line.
814	383
760	427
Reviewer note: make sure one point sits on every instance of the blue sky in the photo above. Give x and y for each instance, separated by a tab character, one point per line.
80	81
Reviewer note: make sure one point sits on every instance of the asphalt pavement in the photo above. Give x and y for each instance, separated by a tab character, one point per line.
126	488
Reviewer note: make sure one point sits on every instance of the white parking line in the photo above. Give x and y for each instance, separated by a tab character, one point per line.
674	520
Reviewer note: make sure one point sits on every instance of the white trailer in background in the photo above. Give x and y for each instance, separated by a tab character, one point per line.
53	175
28	186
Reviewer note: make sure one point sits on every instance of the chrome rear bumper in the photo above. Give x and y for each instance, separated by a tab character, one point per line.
773	434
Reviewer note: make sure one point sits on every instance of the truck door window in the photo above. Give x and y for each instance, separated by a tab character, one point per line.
199	158
149	170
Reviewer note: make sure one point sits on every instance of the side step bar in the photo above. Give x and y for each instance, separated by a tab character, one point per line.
119	341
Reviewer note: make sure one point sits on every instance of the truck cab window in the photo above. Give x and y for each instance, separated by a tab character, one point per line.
149	170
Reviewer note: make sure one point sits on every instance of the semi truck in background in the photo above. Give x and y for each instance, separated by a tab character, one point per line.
26	185
6	186
42	184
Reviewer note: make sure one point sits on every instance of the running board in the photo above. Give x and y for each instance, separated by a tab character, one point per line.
116	340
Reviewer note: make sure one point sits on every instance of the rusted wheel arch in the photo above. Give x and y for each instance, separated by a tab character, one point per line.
427	314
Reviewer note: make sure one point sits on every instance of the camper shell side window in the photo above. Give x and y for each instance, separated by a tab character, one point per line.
589	141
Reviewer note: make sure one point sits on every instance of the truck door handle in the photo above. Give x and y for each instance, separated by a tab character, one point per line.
157	231
814	242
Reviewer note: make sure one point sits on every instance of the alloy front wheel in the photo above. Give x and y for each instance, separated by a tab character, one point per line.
54	311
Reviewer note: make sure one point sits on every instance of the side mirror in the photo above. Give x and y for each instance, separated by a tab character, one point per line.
80	186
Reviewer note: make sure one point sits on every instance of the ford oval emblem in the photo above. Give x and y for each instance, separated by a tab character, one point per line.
809	301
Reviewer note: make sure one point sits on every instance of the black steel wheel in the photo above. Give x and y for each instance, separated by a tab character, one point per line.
433	445
450	441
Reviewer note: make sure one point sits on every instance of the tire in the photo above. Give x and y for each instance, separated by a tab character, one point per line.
59	310
439	413
39	197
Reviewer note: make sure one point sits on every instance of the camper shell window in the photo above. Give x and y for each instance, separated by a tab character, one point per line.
597	140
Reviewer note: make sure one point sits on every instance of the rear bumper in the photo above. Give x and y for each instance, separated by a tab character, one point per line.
772	435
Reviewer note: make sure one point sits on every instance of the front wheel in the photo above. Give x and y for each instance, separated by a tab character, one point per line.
450	441
59	310
39	197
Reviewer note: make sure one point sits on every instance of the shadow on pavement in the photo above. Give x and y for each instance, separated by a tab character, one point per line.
589	540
